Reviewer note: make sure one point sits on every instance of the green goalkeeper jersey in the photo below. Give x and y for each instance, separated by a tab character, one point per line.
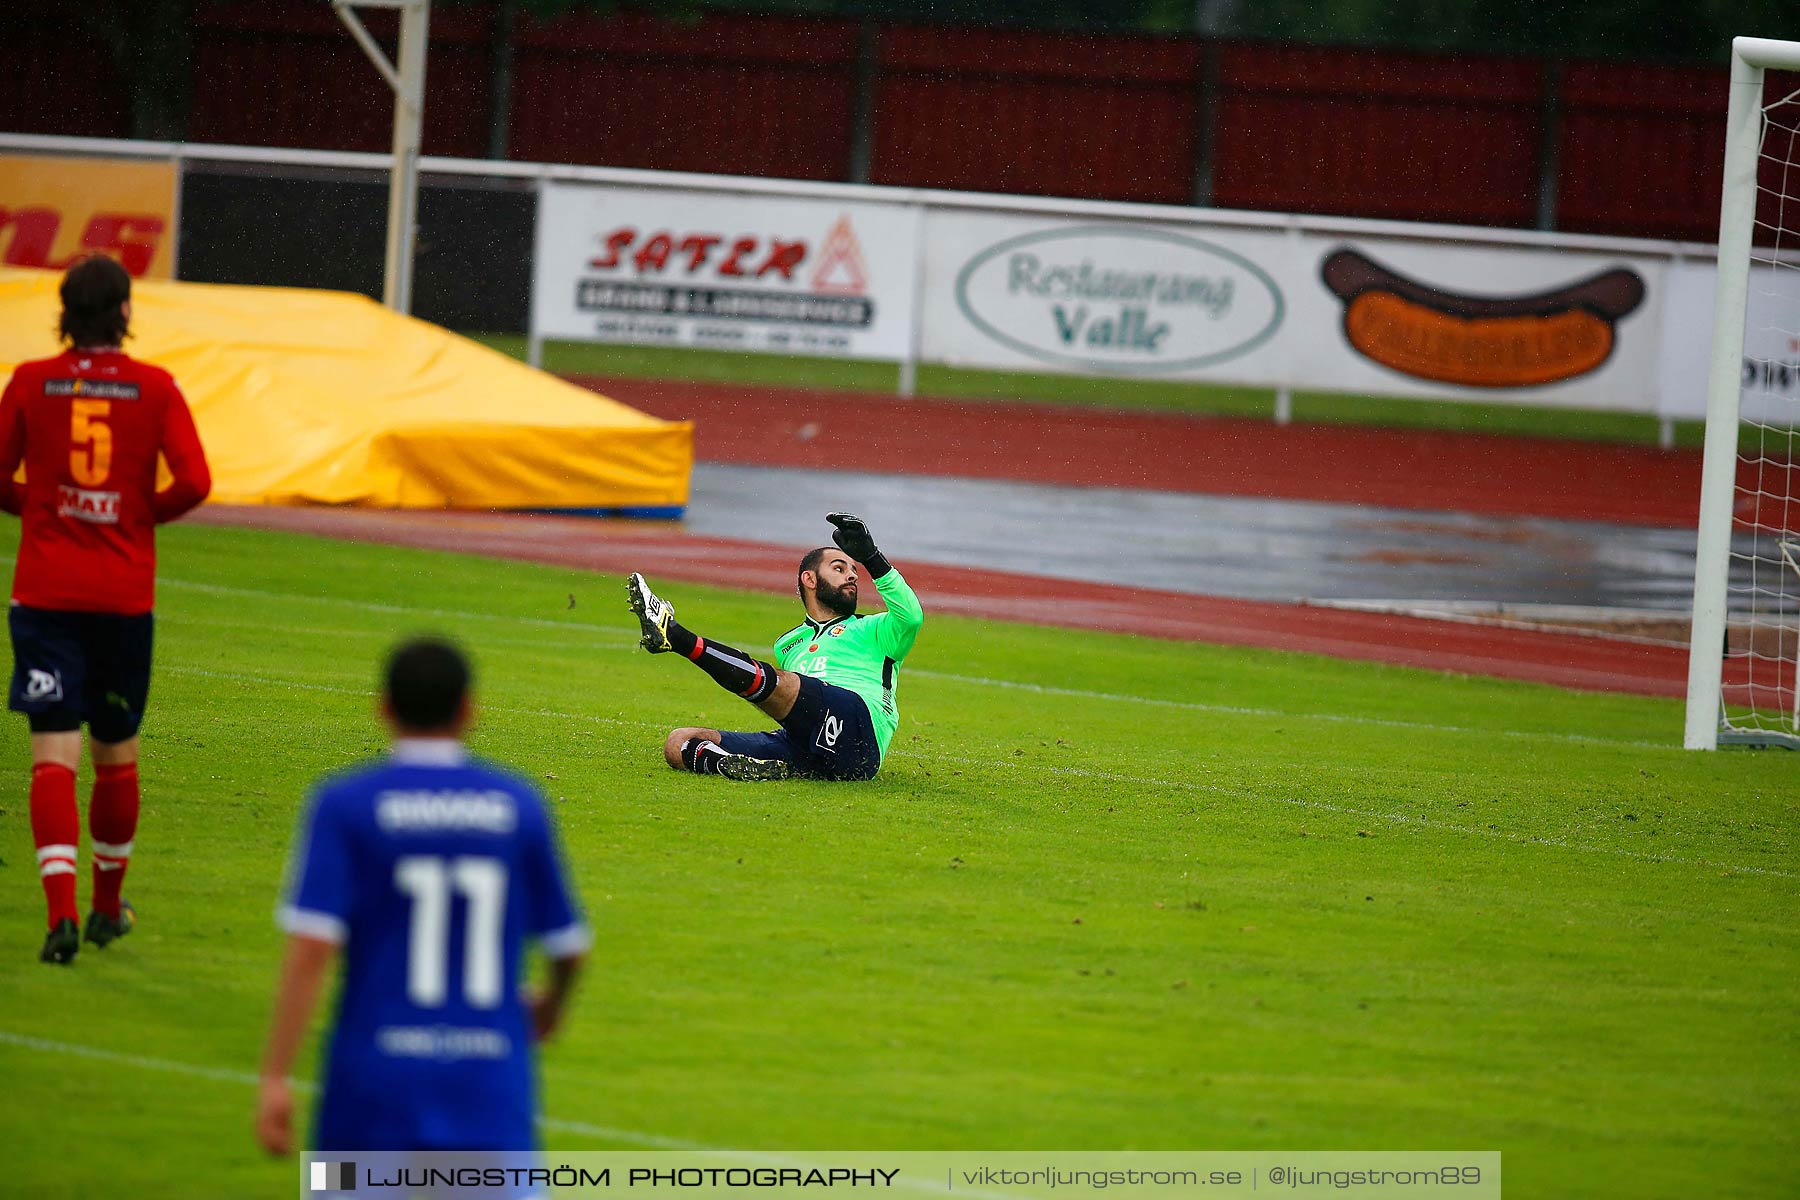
861	653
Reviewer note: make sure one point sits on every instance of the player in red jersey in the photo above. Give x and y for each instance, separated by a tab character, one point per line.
89	426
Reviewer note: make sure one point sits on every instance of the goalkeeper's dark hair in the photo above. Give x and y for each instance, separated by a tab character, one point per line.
427	679
809	563
94	292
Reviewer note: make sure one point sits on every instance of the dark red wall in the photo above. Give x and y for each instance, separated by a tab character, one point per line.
732	95
1112	118
1411	137
35	96
1352	132
1643	147
288	74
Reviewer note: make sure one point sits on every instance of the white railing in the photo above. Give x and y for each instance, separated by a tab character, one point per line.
941	307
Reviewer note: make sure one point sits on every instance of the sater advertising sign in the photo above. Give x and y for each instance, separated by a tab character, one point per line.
53	210
735	272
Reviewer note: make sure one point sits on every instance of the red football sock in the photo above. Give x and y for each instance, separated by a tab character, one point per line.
112	823
55	827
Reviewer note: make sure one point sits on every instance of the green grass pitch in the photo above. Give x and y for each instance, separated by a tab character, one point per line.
1108	892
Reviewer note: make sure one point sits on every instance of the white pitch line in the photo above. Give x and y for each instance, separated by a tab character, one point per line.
1286	715
145	1062
141	1061
1390	818
1000	761
524	640
368	694
973	680
607	1133
403	610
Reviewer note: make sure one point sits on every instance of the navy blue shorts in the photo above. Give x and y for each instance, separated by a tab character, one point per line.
828	735
76	668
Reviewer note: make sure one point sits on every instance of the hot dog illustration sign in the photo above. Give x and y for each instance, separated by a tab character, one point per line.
1480	341
724	271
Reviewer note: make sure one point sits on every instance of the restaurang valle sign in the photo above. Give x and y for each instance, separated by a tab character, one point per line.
1119	298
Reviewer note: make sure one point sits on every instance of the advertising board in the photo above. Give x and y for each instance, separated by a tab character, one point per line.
732	272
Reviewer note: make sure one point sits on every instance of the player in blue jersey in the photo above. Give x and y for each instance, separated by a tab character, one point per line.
832	686
428	871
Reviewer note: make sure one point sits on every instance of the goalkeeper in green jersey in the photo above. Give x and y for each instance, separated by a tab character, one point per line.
831	688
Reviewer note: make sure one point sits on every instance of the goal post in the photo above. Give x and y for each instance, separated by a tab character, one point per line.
1742	691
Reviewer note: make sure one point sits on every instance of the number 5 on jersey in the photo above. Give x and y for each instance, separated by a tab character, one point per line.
90	441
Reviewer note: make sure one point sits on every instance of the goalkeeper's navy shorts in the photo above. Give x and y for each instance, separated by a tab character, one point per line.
828	735
75	668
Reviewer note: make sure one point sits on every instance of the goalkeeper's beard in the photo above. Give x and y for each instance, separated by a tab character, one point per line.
838	600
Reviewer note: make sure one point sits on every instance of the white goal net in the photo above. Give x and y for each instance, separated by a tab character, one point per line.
1746	649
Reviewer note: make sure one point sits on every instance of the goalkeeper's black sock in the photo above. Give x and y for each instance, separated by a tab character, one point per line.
701	756
731	669
681	640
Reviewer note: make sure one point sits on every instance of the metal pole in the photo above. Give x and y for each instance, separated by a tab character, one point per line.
403	185
175	218
908	383
1550	122
1284	391
500	79
1718	478
534	337
862	114
408	84
1206	124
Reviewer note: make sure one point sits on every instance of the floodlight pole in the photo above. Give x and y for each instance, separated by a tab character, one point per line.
408	83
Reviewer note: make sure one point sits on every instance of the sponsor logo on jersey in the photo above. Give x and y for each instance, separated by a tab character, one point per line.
442	1043
43	685
98	389
96	508
432	811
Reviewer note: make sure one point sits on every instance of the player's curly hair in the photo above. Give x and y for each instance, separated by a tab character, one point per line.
809	563
94	292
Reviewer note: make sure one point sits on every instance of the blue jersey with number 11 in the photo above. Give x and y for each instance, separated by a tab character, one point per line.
432	871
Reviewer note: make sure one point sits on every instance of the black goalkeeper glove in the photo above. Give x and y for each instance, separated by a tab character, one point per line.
852	537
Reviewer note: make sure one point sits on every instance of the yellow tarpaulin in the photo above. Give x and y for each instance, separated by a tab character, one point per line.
313	397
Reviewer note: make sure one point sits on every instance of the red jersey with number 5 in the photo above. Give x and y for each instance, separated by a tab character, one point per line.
89	425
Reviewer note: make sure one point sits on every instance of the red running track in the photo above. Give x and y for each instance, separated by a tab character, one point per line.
665	552
1230	456
794	427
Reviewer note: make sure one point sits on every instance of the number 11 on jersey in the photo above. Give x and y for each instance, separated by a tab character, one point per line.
429	881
